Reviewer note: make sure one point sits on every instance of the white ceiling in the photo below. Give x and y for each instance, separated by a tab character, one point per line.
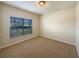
32	7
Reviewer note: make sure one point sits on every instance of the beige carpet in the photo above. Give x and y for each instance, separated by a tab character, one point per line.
39	47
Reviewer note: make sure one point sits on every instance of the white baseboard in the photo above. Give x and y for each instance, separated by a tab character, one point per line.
43	35
50	37
18	41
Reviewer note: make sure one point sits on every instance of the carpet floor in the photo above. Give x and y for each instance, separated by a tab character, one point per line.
39	47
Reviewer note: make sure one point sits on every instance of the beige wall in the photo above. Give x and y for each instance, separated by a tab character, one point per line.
59	25
8	11
77	27
0	27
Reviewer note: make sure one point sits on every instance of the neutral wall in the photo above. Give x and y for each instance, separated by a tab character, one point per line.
0	28
8	11
59	25
77	28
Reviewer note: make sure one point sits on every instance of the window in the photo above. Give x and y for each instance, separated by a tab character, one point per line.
20	26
